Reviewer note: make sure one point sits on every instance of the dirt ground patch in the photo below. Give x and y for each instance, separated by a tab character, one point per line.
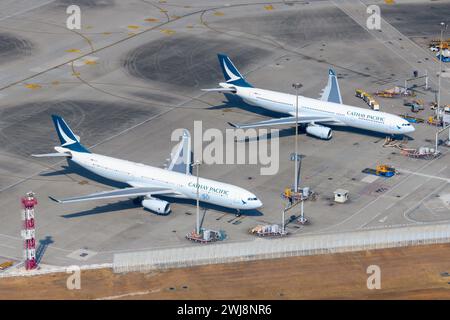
406	273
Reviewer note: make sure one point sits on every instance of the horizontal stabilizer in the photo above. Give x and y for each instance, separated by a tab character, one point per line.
120	193
282	121
55	154
232	90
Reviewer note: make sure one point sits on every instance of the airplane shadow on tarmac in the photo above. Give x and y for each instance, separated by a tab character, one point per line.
128	204
235	101
72	167
209	206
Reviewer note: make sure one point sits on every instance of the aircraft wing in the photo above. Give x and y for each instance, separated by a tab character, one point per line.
120	193
283	121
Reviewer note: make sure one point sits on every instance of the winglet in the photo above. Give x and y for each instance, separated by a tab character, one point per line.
180	159
331	92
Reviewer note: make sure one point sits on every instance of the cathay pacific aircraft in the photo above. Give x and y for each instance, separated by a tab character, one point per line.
313	113
146	181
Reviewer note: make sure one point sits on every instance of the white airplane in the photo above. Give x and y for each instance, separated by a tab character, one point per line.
147	181
313	113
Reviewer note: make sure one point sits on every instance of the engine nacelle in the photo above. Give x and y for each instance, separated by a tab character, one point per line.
159	206
319	131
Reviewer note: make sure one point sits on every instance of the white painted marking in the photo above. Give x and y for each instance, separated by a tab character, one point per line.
26	10
424	175
369	179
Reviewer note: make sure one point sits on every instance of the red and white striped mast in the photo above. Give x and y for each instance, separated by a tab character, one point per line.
28	231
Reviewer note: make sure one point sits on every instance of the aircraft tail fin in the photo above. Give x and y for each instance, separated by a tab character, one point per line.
231	73
331	92
180	158
68	139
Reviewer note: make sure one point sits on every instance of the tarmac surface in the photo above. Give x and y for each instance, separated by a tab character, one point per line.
133	74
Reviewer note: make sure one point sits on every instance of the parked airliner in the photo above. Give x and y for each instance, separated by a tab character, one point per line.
147	181
313	113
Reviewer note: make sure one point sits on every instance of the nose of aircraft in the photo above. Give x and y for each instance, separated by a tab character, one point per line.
258	204
252	202
409	129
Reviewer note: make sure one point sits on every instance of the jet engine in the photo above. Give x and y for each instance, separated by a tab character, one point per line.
159	206
319	131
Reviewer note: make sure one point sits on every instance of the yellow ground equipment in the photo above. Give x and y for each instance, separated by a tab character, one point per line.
368	99
359	93
433	121
6	265
385	94
381	170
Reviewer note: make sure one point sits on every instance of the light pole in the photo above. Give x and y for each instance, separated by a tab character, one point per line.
196	164
438	115
296	86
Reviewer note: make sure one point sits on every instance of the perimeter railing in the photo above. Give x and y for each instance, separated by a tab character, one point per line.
314	244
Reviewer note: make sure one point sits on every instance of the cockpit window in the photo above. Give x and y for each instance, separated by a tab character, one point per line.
406	124
252	199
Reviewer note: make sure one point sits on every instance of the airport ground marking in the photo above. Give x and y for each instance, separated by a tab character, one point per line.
26	10
409	210
168	32
33	86
93	50
383	42
425	175
377	198
396	202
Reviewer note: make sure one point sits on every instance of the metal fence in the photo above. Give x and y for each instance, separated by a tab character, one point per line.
20	272
278	248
